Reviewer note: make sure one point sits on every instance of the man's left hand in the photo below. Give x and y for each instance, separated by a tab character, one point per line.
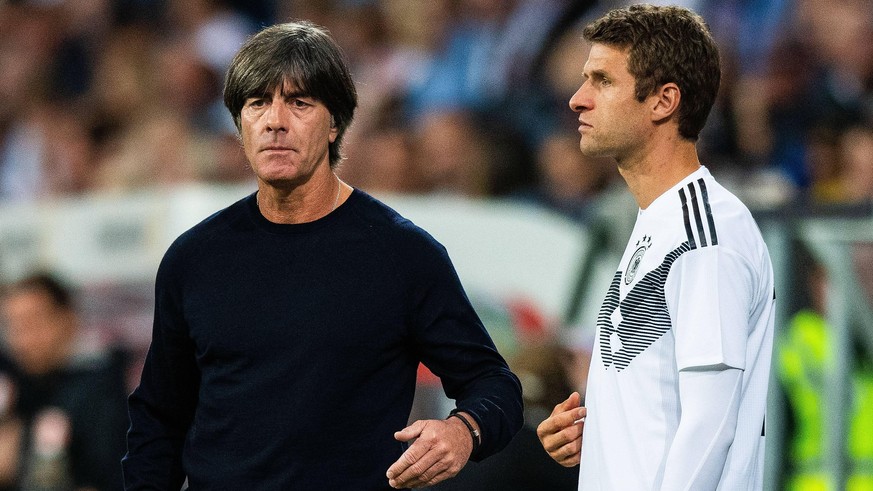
440	450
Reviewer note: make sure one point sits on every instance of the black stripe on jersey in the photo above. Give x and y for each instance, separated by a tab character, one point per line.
688	231
693	196
708	210
643	311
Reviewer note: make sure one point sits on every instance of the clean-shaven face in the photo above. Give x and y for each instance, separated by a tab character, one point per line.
612	123
285	135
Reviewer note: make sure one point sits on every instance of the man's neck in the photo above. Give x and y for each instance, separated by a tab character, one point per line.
659	170
300	204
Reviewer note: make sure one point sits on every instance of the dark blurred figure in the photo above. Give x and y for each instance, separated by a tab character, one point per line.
62	399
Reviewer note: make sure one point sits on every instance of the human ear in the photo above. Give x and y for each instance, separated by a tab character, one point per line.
665	101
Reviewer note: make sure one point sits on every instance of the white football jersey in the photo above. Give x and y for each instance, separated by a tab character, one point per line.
694	288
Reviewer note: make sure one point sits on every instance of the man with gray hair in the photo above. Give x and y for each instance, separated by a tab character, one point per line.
289	326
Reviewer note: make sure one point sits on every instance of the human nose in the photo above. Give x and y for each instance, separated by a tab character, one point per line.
581	100
276	116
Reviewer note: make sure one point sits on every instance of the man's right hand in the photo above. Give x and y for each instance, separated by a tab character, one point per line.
561	433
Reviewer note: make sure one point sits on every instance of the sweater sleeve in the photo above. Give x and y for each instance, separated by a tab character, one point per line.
453	343
161	408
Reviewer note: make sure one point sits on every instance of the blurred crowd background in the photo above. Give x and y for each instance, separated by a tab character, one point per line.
465	98
457	96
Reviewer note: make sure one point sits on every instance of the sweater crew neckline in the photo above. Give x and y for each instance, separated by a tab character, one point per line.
295	228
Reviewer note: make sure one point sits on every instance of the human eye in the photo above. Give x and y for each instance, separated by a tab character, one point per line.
600	79
300	103
256	102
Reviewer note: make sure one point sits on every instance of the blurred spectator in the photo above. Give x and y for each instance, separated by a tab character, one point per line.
106	70
856	146
123	82
826	165
774	110
48	153
840	34
557	74
567	182
187	85
817	73
452	155
382	154
456	152
389	45
487	52
804	364
62	396
842	164
748	29
212	27
28	40
487	64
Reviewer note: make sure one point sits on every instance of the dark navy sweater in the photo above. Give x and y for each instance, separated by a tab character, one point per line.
285	356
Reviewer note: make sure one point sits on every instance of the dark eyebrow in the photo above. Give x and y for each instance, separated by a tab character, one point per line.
598	74
292	94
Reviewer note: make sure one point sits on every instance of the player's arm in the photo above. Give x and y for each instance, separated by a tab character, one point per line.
709	397
709	293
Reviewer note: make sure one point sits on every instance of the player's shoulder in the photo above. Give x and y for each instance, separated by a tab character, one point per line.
711	215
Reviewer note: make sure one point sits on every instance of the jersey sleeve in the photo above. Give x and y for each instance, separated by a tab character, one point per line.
708	293
710	402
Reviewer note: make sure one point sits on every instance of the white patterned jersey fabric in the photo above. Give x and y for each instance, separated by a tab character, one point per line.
694	289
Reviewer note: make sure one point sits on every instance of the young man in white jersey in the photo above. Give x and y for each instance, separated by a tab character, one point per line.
677	387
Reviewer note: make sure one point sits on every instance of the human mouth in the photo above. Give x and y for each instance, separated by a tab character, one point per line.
275	148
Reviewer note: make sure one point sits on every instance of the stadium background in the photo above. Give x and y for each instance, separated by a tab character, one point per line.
113	140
